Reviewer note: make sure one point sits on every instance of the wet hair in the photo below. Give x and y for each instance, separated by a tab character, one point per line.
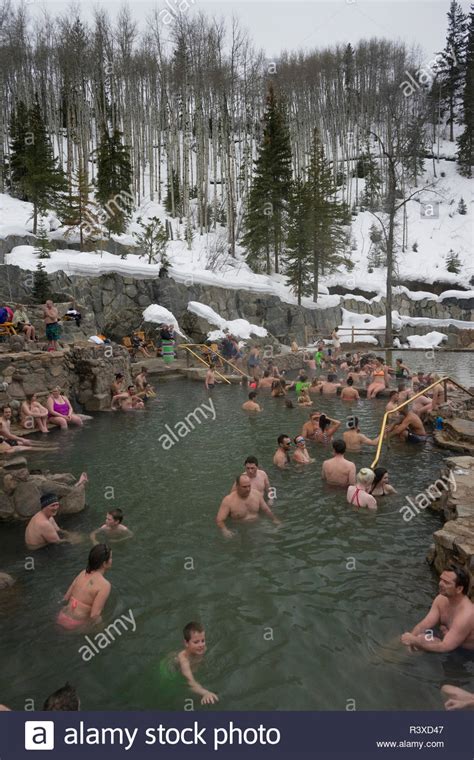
130	386
4	407
289	403
266	373
118	375
332	378
324	422
117	514
97	556
281	438
352	423
379	472
350	381
252	395
462	578
400	361
339	446
64	698
191	628
392	394
251	460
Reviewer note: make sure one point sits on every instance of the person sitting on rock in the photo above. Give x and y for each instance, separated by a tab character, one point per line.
6	435
60	411
117	385
144	389
127	401
73	314
43	528
22	323
33	414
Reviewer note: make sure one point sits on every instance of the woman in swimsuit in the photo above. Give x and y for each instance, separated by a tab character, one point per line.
379	378
381	486
60	410
301	454
327	428
358	495
304	398
33	414
88	593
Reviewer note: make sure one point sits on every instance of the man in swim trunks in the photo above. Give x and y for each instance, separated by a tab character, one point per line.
393	401
113	527
258	478
349	393
330	386
191	656
281	458
127	401
452	612
5	429
251	405
242	505
311	427
338	471
53	328
410	427
43	528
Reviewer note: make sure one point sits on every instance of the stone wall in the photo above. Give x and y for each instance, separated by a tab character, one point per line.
84	373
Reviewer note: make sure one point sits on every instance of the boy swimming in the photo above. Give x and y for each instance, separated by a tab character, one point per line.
191	656
113	527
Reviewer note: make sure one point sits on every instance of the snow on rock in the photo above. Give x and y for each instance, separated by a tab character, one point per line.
241	328
430	340
368	321
161	316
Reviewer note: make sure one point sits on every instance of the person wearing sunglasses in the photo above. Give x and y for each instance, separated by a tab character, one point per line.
301	454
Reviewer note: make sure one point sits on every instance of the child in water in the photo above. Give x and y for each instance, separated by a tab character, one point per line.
113	527
191	656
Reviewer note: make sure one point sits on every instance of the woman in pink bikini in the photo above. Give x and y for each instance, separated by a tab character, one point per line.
88	593
60	410
358	495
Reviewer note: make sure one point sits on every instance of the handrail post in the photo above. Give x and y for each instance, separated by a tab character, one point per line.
445	383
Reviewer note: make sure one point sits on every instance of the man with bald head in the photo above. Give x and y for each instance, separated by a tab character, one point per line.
242	505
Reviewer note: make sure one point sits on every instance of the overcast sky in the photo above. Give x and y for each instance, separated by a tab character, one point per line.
276	25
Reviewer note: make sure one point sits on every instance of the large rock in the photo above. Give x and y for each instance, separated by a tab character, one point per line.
26	499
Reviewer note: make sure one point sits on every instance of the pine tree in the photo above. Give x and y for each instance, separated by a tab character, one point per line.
462	208
43	244
80	210
453	262
41	289
35	171
413	161
327	234
465	141
153	240
20	139
297	256
114	178
367	167
266	218
450	72
376	256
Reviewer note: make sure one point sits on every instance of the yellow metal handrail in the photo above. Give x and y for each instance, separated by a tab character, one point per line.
203	345
444	380
186	346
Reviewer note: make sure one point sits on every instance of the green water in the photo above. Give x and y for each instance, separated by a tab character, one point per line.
289	624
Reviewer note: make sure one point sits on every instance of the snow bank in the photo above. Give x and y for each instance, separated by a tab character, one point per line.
430	340
241	328
161	316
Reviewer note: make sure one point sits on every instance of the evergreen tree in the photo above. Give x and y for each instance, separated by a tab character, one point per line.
266	218
415	142
377	255
450	72
20	139
43	244
41	289
453	262
462	208
297	256
114	178
80	210
35	171
466	140
367	168
327	234
153	240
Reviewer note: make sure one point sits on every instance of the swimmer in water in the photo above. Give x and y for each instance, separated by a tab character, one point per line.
128	401
349	393
113	527
43	529
452	612
311	427
191	656
304	398
353	438
88	593
358	495
338	471
409	427
251	405
381	486
242	505
281	457
301	453
210	379
258	478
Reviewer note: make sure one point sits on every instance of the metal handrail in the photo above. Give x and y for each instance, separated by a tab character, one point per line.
203	345
444	380
199	358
